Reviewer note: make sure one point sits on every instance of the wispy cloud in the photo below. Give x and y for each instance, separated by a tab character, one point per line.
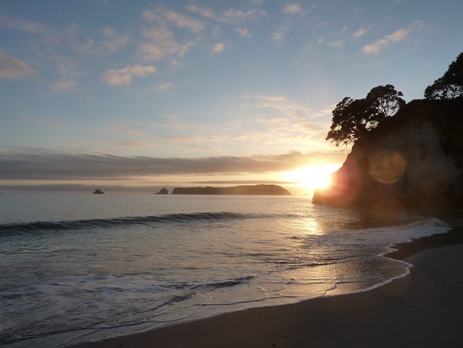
243	32
183	21
15	23
362	31
218	48
287	107
337	43
229	16
289	123
203	11
63	86
161	42
113	41
132	144
292	9
278	36
388	40
44	121
124	128
163	86
124	76
31	165
13	68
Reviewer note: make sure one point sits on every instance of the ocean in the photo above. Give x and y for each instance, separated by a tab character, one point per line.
78	268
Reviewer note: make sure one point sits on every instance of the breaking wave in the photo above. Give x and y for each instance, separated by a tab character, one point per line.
37	226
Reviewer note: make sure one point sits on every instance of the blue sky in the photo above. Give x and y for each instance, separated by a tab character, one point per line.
183	92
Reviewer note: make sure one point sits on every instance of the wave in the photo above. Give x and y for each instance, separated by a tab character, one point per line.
224	284
38	226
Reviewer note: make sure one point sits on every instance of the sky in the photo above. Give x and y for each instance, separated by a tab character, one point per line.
134	96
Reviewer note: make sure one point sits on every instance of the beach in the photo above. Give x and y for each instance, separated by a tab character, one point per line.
422	309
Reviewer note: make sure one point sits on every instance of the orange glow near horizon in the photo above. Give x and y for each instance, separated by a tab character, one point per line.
312	177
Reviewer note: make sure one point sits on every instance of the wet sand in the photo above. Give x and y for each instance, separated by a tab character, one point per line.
423	309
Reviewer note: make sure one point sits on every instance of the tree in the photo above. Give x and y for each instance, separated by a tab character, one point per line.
450	85
352	118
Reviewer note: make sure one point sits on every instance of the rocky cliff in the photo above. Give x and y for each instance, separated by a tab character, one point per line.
412	159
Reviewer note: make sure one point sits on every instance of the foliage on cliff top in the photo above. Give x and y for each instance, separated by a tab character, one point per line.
450	85
353	118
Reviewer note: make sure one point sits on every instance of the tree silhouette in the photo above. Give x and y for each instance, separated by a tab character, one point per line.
450	85
352	118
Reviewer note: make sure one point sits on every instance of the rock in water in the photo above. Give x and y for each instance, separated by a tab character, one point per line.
98	192
163	191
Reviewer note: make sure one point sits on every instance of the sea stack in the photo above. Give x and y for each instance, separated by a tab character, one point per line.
98	192
163	191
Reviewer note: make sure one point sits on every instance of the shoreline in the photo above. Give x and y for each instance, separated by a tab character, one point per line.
422	308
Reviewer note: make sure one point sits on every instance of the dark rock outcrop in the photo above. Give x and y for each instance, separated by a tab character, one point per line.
163	191
98	192
414	159
237	190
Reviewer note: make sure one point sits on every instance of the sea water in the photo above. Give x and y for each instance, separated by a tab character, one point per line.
78	268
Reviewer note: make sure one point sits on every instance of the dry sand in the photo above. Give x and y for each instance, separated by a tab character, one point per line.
423	309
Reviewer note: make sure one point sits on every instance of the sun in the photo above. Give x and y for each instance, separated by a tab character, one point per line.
312	177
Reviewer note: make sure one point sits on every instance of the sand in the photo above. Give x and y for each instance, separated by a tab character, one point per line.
423	309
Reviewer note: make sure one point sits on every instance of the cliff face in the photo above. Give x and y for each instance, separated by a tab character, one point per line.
413	159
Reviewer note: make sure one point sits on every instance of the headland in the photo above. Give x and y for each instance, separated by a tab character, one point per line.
236	190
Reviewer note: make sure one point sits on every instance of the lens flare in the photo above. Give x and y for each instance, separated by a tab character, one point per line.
387	167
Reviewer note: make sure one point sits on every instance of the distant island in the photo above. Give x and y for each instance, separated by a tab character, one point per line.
273	190
163	191
98	192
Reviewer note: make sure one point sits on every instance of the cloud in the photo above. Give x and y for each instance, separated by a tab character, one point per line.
359	32
203	11
182	21
63	86
161	44
292	9
286	123
124	76
218	48
51	37
177	19
44	121
13	68
277	36
29	26
233	15
243	32
163	86
337	43
388	40
113	41
28	165
284	105
132	144
86	47
229	16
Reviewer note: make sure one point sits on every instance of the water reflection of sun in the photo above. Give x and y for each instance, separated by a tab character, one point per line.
314	176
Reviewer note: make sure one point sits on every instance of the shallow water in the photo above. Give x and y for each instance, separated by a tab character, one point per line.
84	267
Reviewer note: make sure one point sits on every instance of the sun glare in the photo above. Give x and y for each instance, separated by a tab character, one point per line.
312	177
